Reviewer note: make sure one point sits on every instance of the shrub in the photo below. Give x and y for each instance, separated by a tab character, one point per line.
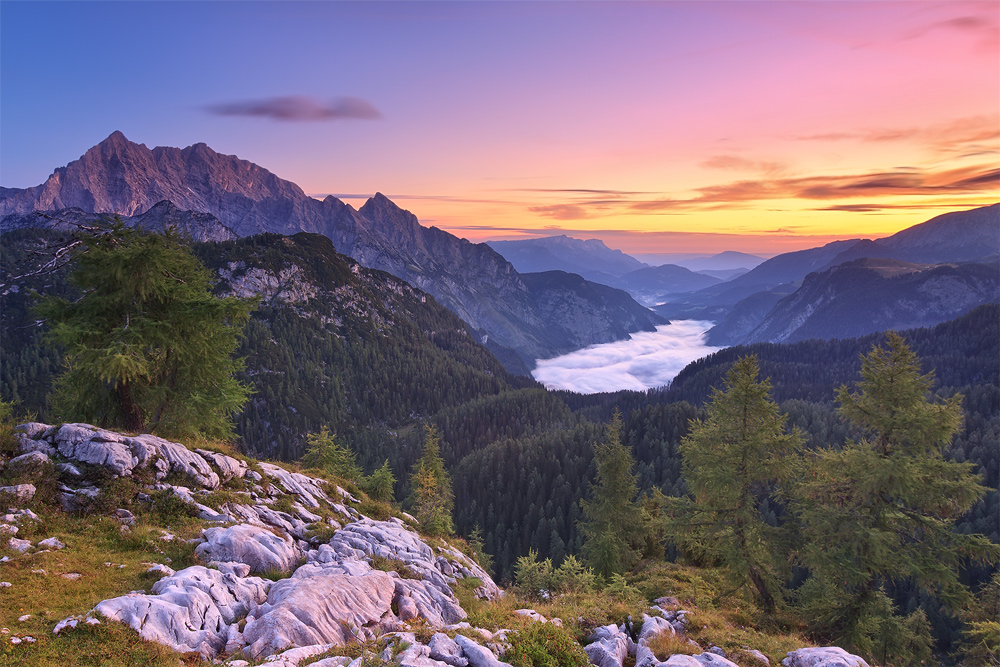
545	645
573	577
532	575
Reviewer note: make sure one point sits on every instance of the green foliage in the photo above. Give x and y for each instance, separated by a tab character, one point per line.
614	525
478	548
533	576
380	484
882	510
573	577
981	636
325	453
432	498
619	589
148	348
545	645
735	460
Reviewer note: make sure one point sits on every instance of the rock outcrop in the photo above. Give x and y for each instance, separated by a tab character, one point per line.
333	594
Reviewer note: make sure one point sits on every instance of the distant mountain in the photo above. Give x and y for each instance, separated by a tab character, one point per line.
726	260
723	261
866	296
474	281
591	258
723	274
959	236
647	285
579	310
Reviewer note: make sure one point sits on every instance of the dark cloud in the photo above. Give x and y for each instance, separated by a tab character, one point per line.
299	108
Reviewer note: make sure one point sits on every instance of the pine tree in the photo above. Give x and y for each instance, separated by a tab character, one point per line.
734	461
148	348
883	509
614	525
432	499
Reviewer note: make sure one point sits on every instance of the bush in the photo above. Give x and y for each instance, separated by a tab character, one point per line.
545	645
533	576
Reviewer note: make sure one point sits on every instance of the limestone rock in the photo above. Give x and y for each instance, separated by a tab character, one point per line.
188	611
828	656
477	655
88	444
30	459
21	493
228	467
178	458
257	547
51	543
317	610
307	488
609	648
444	649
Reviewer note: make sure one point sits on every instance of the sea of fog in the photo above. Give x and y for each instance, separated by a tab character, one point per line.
646	360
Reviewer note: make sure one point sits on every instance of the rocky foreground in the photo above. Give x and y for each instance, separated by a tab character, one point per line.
372	583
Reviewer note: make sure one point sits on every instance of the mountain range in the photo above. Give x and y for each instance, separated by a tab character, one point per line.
118	176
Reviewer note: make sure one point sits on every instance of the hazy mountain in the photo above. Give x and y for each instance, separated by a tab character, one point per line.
726	260
723	274
647	284
474	281
953	237
869	295
723	261
579	310
591	258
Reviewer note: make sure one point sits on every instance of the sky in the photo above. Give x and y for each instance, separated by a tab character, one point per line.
673	127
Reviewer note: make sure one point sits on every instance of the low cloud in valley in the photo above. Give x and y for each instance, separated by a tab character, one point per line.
647	360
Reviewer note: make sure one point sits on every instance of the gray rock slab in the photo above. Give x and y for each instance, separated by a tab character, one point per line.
445	649
317	610
255	546
21	493
827	656
478	656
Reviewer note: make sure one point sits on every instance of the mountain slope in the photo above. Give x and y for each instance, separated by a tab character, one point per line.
591	258
870	295
119	176
570	304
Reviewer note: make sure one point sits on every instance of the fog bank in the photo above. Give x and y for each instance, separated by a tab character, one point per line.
648	359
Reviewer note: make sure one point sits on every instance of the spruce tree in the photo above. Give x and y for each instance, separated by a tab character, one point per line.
148	347
882	509
614	526
432	499
734	461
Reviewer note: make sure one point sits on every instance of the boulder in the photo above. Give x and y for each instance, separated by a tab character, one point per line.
51	543
191	610
21	493
444	649
165	456
255	546
302	611
477	655
438	607
827	656
89	444
30	460
228	467
610	647
308	489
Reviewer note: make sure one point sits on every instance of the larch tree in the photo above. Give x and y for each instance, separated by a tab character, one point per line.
431	497
736	462
614	525
882	510
148	347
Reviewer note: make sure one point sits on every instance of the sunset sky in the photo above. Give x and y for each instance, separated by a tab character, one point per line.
657	127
